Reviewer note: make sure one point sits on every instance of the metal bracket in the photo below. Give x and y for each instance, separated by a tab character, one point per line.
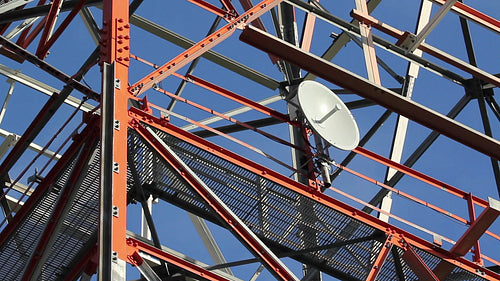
406	41
118	84
116	167
114	257
116	125
116	211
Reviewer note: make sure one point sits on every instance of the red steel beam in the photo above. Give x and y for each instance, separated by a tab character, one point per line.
213	9
201	47
171	259
311	192
50	22
253	243
381	257
474	15
235	97
44	49
418	265
470	237
364	88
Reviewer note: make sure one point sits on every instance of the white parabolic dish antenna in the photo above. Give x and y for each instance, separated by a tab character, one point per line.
327	115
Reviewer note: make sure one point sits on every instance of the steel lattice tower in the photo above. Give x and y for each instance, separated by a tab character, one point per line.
163	140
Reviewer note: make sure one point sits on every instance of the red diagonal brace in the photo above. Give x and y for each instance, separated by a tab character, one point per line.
235	97
381	257
201	47
171	259
50	22
43	47
470	237
242	232
418	266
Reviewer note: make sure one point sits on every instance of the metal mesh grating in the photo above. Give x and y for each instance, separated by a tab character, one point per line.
163	180
457	273
19	247
287	221
79	224
278	215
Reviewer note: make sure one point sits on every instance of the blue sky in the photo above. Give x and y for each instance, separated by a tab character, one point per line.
445	159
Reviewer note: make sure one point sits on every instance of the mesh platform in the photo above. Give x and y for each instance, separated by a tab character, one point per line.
77	228
290	224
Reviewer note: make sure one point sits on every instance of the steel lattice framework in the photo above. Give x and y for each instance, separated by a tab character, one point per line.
163	87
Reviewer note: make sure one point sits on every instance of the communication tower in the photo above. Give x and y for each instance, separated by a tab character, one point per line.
246	140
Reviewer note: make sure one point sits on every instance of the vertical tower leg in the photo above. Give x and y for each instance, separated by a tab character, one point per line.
115	59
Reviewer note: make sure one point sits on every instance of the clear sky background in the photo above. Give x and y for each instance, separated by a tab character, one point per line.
446	160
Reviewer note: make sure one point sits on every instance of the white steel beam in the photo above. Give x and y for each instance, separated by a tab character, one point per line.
208	240
431	24
41	87
368	47
33	146
398	141
6	6
231	113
